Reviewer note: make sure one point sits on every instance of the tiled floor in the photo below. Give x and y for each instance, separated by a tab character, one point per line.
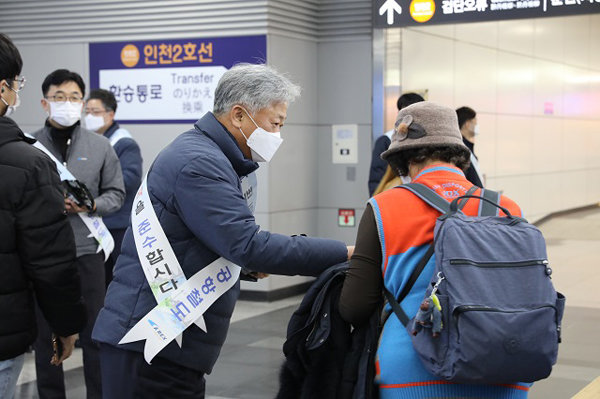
250	360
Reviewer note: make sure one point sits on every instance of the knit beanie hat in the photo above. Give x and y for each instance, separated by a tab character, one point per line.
425	124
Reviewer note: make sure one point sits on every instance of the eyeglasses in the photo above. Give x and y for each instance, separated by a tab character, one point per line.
21	80
61	98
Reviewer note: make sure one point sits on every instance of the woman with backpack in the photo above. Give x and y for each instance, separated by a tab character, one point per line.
394	235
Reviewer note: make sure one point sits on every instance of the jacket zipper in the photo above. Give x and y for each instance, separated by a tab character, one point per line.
542	262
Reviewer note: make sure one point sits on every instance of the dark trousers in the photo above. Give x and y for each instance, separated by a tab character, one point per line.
126	375
50	379
118	235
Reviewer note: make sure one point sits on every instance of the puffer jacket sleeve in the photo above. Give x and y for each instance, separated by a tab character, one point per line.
112	190
212	206
47	248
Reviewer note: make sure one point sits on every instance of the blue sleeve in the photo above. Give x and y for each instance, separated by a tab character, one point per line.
378	165
130	157
211	205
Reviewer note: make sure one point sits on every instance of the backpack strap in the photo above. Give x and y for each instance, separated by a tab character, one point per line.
400	313
486	208
428	195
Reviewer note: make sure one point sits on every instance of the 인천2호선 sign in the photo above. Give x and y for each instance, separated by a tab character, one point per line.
168	81
398	13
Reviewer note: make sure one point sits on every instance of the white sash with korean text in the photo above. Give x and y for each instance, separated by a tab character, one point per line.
95	225
181	302
118	135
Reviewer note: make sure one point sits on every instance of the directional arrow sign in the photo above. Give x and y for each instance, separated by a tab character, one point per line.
390	6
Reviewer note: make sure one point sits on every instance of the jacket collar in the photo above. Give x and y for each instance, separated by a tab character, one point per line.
214	130
9	131
443	167
111	130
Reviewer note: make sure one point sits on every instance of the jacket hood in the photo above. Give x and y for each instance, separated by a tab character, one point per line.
9	131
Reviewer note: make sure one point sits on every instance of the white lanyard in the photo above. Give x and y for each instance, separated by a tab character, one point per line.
94	223
181	302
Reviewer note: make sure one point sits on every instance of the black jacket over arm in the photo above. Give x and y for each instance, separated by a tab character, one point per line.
37	248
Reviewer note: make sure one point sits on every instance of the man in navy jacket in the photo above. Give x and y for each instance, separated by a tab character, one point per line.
100	111
194	186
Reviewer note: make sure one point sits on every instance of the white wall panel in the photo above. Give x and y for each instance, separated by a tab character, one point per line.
592	187
514	145
483	33
574	144
475	74
549	39
576	52
594	49
427	63
516	36
544	190
515	84
548	87
573	185
547	154
519	189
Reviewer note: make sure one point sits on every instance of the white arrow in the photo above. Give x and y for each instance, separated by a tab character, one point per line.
390	6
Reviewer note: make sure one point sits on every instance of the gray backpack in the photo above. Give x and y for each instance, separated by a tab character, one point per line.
500	315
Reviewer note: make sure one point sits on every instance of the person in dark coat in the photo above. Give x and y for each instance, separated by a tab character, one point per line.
469	129
92	161
378	165
195	188
100	109
37	247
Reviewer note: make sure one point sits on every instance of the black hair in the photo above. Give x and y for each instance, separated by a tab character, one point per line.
454	154
106	97
408	99
465	114
61	76
10	59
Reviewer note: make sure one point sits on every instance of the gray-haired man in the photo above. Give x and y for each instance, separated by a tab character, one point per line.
202	191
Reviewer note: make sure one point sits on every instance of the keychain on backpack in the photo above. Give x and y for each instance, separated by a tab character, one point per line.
430	312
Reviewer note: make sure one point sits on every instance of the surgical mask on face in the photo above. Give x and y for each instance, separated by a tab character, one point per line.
65	114
262	143
476	130
10	109
93	122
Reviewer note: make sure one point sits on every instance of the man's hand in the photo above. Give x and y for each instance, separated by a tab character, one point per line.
68	343
72	207
259	275
350	251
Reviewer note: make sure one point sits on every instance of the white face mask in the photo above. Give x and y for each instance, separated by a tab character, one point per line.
476	130
10	109
93	122
262	143
65	114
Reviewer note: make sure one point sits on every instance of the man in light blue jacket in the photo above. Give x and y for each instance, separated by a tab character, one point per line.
196	192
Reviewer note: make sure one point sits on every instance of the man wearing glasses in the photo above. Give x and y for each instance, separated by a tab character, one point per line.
99	111
37	248
92	160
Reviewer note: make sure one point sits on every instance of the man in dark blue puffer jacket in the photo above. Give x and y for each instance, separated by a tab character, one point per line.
194	185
